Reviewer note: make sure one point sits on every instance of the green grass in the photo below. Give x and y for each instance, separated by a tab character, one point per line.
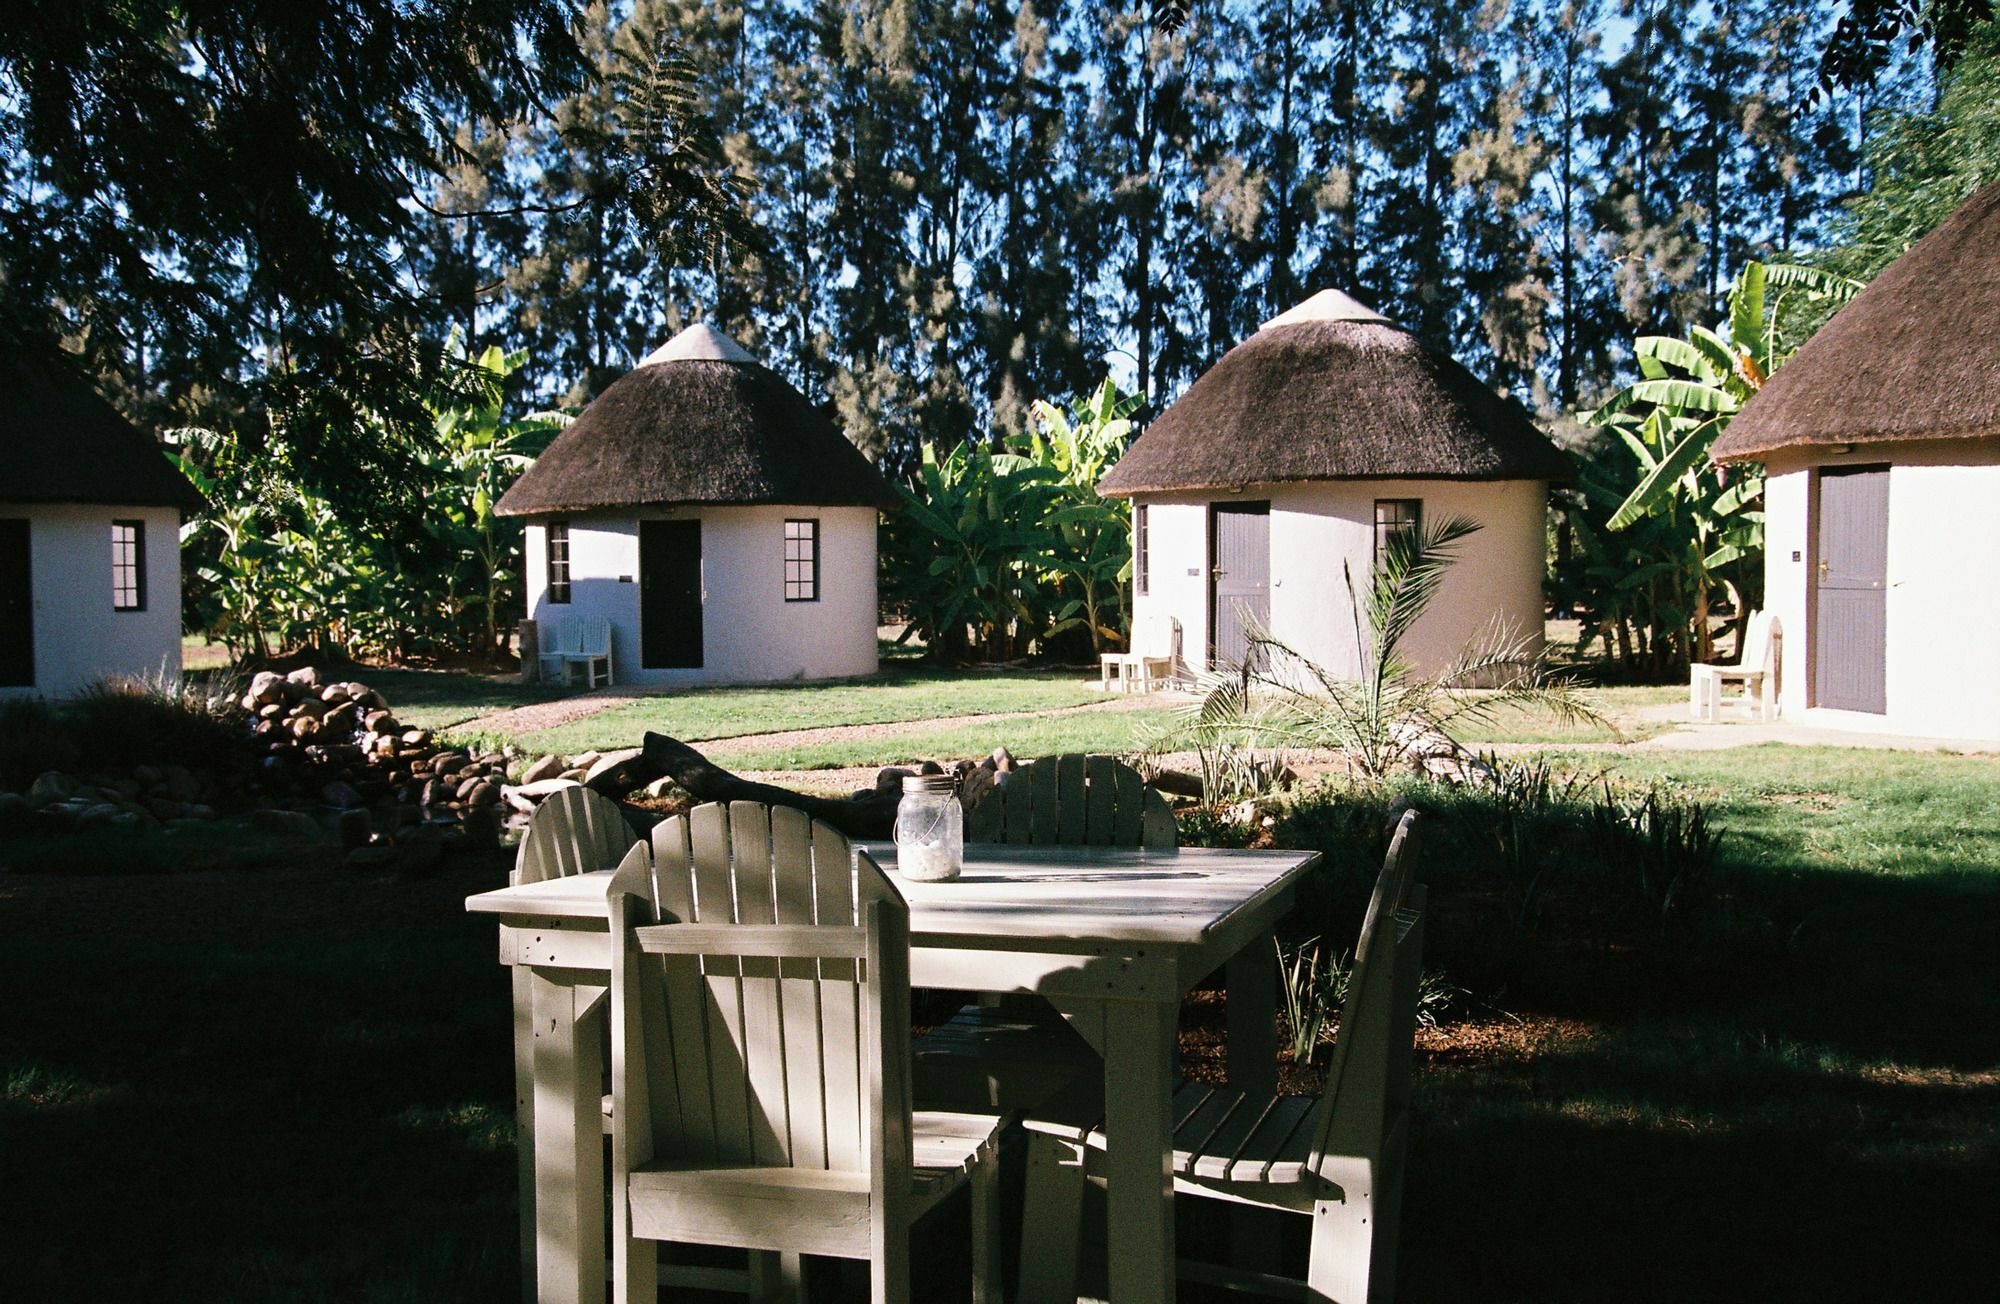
1086	731
898	694
440	699
1626	713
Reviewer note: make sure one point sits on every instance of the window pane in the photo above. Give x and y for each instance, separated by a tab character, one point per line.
128	565
558	561
801	574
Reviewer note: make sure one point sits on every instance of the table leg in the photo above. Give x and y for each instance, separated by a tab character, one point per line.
1252	979
524	1119
1138	1126
568	1142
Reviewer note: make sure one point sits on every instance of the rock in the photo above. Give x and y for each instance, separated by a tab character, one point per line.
609	761
270	711
890	780
432	793
546	768
14	809
132	821
49	788
930	767
381	722
466	785
312	706
449	763
265	688
368	698
148	776
481	828
483	794
95	814
340	796
304	677
584	761
661	787
575	773
336	694
1003	760
976	784
377	854
305	728
416	737
542	789
291	823
355	827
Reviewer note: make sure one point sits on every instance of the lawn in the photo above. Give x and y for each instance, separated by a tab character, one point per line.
292	1082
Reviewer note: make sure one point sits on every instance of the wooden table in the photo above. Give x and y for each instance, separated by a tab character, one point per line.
1113	937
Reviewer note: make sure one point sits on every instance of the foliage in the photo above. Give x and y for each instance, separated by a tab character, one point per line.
994	554
1663	530
423	567
1309	1002
1924	164
111	727
1384	715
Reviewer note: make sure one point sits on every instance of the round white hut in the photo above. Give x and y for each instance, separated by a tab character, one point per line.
1880	440
713	518
1289	462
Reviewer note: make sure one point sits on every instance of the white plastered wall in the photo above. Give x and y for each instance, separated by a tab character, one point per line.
79	638
1942	667
1319	527
750	634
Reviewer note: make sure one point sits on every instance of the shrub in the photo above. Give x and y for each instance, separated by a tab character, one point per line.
114	726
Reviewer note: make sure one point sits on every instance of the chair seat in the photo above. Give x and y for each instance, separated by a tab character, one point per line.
1727	672
1014	1057
813	1210
1220	1134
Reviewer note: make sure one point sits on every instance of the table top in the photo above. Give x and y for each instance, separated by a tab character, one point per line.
1180	896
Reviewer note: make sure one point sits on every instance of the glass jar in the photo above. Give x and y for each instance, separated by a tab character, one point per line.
930	829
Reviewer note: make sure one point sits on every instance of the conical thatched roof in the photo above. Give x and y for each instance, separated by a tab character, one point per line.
699	423
1330	390
61	443
1916	355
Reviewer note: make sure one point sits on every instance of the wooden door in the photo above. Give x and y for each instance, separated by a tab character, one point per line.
17	608
1239	585
670	595
1850	589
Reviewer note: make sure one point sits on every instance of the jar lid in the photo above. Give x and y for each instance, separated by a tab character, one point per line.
929	783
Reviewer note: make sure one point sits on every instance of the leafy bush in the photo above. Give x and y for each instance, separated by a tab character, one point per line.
111	727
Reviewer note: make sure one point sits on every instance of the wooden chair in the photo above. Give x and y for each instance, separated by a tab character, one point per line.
760	1060
1337	1159
1017	1052
574	831
1756	669
589	647
556	640
1154	651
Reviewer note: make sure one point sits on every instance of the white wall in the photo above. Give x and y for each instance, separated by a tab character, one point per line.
79	638
750	634
1317	526
1943	604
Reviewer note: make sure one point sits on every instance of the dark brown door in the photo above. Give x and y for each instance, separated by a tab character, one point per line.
670	595
1851	589
1239	584
17	608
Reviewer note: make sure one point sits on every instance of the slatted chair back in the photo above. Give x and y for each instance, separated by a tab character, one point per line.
1367	1078
1096	801
1155	635
776	1028
1759	638
573	831
593	639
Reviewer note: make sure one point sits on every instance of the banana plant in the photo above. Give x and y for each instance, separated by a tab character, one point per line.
1668	421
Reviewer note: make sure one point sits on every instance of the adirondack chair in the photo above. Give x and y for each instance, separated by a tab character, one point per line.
1756	669
1337	1159
589	648
1017	1052
1153	650
574	831
760	1060
556	642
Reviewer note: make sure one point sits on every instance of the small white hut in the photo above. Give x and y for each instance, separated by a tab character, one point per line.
1287	464
90	549
716	519
1880	440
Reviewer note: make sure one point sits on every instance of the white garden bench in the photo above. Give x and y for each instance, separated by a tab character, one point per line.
578	641
1756	670
1152	657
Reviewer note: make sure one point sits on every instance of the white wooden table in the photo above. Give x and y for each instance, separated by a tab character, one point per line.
1113	937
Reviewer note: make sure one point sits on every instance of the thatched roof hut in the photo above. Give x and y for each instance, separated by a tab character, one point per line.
1914	356
1333	391
698	422
61	443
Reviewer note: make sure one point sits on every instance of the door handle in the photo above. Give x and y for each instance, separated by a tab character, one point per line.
1825	569
1218	572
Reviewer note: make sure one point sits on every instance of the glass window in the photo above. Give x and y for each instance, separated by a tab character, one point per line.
128	565
1142	549
558	545
802	561
1395	515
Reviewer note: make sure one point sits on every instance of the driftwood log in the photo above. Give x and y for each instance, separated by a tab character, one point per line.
864	815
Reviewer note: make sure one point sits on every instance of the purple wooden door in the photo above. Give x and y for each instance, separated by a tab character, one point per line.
17	608
1239	586
1850	589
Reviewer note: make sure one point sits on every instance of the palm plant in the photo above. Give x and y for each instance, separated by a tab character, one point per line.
1704	523
1389	713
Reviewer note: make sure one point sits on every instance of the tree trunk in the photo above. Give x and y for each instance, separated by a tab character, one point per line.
864	815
